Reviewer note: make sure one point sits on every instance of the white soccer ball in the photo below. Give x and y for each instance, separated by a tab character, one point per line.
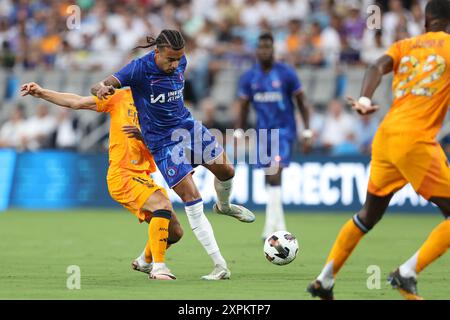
281	247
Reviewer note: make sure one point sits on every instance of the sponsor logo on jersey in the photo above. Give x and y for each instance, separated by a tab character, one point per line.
167	97
276	83
270	96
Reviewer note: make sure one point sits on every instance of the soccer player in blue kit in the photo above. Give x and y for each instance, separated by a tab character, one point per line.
270	87
157	82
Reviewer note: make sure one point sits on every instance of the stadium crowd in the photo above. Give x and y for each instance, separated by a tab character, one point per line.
220	34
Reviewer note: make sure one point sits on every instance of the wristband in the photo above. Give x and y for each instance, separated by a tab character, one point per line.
366	102
307	133
238	133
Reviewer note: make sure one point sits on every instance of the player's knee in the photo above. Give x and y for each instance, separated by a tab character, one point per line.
189	195
165	205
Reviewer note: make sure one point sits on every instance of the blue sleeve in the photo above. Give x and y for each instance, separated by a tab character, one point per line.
244	86
292	81
130	74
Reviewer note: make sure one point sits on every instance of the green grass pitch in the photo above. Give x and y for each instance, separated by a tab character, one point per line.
37	247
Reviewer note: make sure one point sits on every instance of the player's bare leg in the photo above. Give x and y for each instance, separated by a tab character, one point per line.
160	216
404	278
347	239
274	208
223	183
189	194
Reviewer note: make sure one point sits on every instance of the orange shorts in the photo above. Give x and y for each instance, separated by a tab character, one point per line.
397	160
132	189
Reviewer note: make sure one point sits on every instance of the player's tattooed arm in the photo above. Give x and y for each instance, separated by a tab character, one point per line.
106	87
67	100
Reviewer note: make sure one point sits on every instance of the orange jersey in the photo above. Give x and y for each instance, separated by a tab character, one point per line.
421	85
124	153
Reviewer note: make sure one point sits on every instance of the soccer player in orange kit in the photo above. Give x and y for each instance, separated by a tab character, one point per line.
405	148
130	164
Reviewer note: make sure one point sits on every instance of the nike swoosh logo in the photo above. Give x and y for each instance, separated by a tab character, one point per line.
156	81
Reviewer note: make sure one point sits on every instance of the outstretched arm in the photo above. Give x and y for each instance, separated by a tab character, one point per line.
307	134
68	100
106	87
374	74
372	79
242	108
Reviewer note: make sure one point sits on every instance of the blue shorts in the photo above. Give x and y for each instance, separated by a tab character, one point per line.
193	145
278	152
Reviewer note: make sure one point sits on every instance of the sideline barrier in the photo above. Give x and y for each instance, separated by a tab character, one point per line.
61	180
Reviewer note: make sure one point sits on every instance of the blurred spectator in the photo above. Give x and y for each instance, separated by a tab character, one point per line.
312	53
227	11
251	13
338	134
294	42
110	57
298	9
13	132
66	135
50	44
391	19
209	116
129	35
66	60
276	13
197	83
39	129
365	130
331	41
401	29
354	25
7	63
7	57
373	47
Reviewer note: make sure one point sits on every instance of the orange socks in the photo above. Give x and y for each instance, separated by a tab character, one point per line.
148	250
158	232
435	246
346	241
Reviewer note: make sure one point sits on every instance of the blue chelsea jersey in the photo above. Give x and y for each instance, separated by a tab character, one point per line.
158	97
271	95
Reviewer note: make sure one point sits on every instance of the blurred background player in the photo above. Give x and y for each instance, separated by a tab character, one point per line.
271	87
130	165
157	83
405	148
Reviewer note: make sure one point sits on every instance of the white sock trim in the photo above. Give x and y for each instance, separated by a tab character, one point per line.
408	269
326	276
201	227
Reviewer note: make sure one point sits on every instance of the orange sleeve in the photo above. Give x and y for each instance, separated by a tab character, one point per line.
394	52
106	105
